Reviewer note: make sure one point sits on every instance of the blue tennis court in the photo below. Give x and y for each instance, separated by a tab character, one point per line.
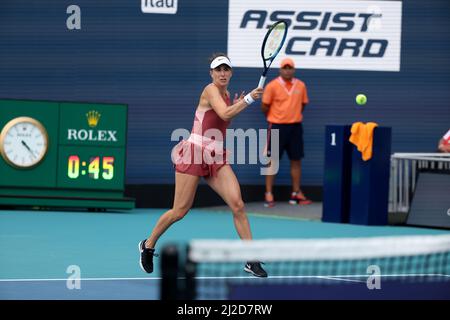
39	250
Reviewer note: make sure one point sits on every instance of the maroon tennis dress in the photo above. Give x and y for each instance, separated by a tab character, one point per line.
203	153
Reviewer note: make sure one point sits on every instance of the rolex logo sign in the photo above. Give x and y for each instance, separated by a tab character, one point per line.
93	134
93	117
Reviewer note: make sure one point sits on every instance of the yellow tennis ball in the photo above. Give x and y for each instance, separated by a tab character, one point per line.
361	99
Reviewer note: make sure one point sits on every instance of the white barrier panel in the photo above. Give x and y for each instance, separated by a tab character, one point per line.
404	167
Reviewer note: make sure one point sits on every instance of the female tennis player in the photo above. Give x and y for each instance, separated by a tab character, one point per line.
203	155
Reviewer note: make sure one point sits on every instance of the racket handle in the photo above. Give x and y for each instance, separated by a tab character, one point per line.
262	80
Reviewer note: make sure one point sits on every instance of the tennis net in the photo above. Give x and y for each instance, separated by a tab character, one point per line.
401	267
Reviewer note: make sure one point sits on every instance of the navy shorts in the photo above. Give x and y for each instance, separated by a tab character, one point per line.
290	139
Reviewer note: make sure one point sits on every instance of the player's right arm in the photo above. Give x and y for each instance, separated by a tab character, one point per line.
226	113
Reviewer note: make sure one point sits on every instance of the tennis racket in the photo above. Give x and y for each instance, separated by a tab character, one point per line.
272	44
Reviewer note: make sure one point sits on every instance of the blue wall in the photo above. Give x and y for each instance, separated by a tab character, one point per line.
157	64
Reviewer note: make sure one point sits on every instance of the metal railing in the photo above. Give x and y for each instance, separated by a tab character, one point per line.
404	168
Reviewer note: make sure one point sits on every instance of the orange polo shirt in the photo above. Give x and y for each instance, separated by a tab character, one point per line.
286	100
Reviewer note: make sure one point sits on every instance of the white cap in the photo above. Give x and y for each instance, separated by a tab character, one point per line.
220	60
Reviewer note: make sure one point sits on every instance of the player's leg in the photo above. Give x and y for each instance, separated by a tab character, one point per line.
227	186
185	188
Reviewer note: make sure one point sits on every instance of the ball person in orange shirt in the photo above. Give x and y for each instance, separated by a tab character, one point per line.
283	102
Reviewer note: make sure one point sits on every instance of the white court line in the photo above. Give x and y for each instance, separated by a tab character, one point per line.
340	279
335	276
76	279
332	277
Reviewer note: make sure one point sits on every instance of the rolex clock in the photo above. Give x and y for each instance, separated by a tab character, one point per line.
63	154
23	142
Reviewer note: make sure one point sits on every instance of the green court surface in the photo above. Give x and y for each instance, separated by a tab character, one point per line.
37	247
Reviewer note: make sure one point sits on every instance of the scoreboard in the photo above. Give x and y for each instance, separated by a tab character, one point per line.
63	154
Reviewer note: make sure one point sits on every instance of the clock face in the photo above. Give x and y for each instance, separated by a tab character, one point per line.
23	142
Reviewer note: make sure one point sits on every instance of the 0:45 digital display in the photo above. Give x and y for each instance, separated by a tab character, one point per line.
97	167
90	167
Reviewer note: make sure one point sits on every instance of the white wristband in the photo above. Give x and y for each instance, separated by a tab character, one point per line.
248	99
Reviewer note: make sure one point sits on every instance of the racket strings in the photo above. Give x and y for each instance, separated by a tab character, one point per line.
274	41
